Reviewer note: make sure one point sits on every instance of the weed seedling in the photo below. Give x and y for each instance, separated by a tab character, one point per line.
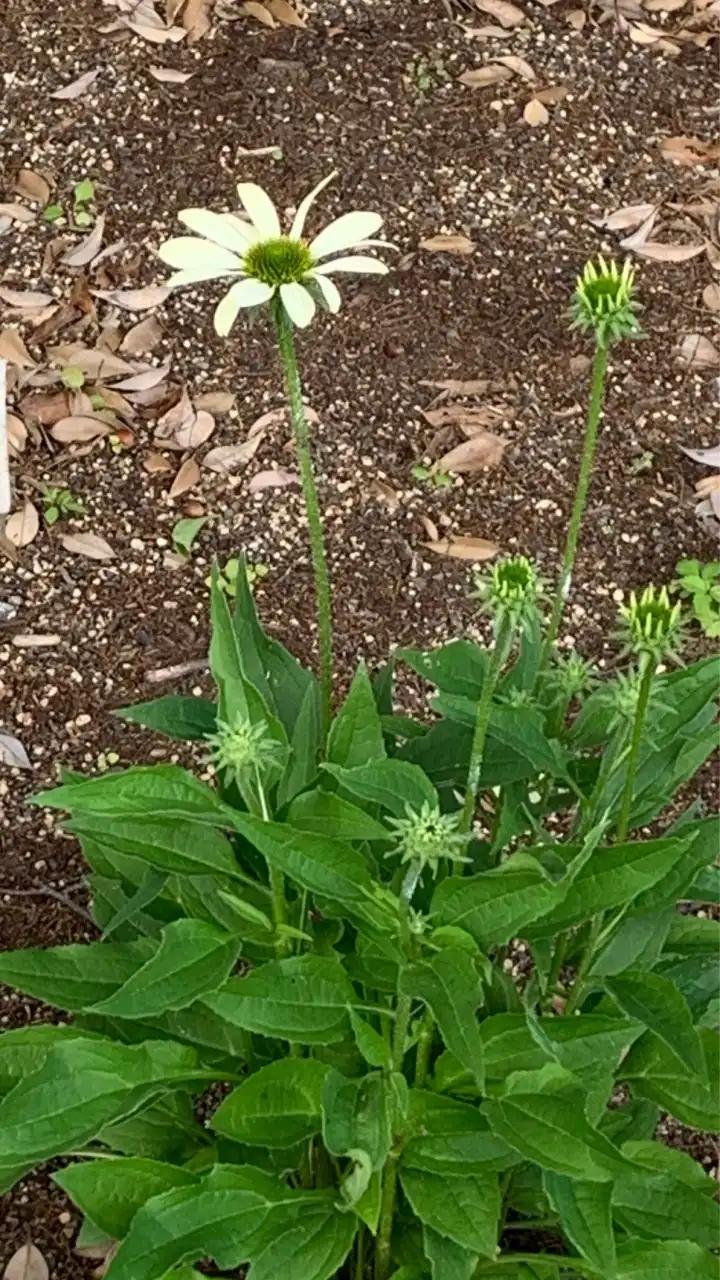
58	503
701	583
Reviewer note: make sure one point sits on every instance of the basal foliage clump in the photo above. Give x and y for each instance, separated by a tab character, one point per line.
323	931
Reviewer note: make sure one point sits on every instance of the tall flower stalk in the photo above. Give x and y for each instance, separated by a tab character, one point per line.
603	301
291	275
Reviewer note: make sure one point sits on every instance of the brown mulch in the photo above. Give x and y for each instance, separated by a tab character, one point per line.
343	93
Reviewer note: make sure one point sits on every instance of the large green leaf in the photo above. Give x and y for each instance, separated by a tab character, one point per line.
357	1116
693	935
450	987
696	977
193	959
464	1207
325	811
587	1045
442	754
702	843
609	879
669	1260
457	667
584	1210
452	1137
150	791
516	747
82	1086
186	719
304	746
636	944
393	784
447	1260
182	848
494	906
164	1130
318	863
24	1050
304	999
309	1241
110	1192
542	1115
356	733
672	1200
277	1106
74	976
658	1005
656	1073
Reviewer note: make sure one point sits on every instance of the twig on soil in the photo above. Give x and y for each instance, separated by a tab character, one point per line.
50	893
176	672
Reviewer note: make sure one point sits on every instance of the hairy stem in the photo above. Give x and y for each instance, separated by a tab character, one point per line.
578	992
503	641
387	1213
422	1060
597	395
636	739
286	345
283	945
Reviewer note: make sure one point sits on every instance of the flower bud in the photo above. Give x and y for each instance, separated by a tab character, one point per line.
510	590
652	626
241	745
603	301
424	838
572	675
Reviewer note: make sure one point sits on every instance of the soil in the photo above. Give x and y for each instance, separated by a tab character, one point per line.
346	92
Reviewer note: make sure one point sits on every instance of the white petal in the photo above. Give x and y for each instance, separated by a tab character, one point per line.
260	209
376	244
298	225
192	254
215	227
363	266
345	232
330	293
180	278
246	293
298	304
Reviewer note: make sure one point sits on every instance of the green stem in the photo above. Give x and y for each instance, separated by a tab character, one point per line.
640	713
578	992
503	641
360	1254
556	964
424	1047
597	395
556	1259
387	1213
283	945
286	345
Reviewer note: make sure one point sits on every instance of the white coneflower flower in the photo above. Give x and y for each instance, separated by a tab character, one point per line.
264	261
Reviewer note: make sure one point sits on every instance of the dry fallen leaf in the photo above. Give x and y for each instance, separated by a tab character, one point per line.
508	15
283	12
156	463
627	218
83	254
273	418
144	381
21	528
711	297
143	337
707	485
79	429
17	213
13	349
87	544
32	185
518	65
78	87
576	18
227	458
217	403
26	299
384	493
28	1263
153	295
457	387
93	362
170	75
195	431
254	9
180	413
470	421
689	151
186	478
535	113
430	528
658	252
16	433
698	352
483	77
278	479
464	548
46	407
481	451
706	457
442	243
552	95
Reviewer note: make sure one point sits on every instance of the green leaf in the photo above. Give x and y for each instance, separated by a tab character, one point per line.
165	1130
186	531
182	848
494	906
308	1242
447	1260
394	784
669	1260
610	878
304	746
132	910
516	746
24	1050
321	865
584	1210
636	944
656	1003
373	1047
542	1115
82	1086
659	1203
356	735
304	999
159	791
110	1192
693	935
463	1208
696	977
357	1116
75	976
277	1106
459	667
656	1073
193	959
452	1137
450	987
84	191
703	842
186	719
324	811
